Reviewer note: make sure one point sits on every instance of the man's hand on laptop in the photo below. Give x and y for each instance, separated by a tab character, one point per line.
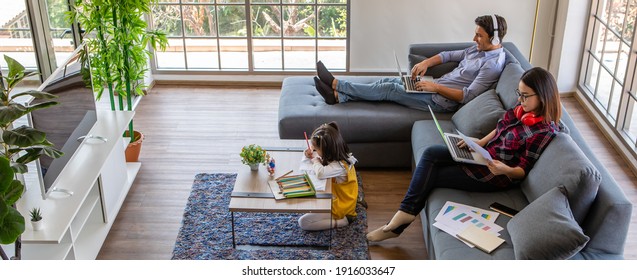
419	70
427	86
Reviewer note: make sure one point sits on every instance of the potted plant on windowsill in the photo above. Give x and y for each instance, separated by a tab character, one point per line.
117	50
18	147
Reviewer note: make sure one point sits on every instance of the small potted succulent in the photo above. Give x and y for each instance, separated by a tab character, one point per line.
36	219
252	155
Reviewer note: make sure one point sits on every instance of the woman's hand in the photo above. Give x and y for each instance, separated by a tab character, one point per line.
498	168
462	144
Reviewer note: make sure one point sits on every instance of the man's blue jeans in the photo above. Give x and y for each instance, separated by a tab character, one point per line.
437	169
386	89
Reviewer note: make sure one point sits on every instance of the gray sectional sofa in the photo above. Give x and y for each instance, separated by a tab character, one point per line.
570	205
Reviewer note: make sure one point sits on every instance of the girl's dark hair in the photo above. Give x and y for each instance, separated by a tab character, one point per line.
486	22
544	85
329	140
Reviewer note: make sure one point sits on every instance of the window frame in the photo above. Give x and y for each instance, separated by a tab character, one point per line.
249	39
620	124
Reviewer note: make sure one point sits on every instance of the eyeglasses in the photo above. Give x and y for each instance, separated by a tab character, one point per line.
522	96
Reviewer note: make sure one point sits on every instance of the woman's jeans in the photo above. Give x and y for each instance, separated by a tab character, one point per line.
437	169
386	89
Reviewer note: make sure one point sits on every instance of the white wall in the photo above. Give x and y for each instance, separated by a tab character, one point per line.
378	27
570	37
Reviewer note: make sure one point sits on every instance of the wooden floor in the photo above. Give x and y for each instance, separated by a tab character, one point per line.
192	130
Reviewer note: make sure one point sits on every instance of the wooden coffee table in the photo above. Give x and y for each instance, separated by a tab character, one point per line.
251	192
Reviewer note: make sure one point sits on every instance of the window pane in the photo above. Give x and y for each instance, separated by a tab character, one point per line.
60	30
592	75
234	54
332	1
232	21
15	35
199	20
231	1
630	127
614	102
198	1
299	54
298	21
167	19
173	56
603	90
266	54
333	21
622	61
609	55
265	1
629	28
202	54
617	14
266	21
332	53
298	1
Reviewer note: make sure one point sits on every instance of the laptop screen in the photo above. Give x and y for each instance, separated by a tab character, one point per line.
442	134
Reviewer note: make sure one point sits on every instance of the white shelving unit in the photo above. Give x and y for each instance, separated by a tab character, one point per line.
99	177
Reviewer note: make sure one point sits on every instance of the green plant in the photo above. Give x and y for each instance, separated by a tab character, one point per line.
19	146
253	154
117	46
35	214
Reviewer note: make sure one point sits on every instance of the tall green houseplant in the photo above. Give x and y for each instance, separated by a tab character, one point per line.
18	147
118	40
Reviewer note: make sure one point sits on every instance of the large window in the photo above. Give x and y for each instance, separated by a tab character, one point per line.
609	66
253	35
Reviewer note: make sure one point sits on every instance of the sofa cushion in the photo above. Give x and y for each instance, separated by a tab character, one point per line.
508	83
480	116
546	229
563	164
435	71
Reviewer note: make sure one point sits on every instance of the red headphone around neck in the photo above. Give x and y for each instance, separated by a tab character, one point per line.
529	118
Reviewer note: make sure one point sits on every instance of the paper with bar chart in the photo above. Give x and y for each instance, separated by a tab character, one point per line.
454	218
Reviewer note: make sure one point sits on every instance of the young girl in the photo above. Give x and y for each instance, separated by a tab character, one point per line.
519	139
331	158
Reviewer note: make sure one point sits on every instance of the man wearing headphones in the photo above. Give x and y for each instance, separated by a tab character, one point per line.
479	67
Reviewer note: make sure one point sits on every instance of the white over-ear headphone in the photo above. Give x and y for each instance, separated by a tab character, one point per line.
496	37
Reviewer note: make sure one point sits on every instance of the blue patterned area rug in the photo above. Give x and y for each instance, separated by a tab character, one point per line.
206	232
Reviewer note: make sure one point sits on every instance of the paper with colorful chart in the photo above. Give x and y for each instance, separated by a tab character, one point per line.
453	218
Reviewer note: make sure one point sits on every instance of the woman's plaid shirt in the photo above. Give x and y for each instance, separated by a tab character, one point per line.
514	144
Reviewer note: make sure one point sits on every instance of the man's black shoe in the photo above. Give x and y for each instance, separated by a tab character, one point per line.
325	91
324	74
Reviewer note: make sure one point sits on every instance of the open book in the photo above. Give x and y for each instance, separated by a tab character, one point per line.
292	186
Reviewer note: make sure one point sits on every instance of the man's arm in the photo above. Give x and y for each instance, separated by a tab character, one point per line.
421	68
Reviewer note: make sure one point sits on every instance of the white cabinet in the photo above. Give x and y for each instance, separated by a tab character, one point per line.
99	177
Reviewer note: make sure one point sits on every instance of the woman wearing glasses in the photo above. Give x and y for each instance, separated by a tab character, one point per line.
515	145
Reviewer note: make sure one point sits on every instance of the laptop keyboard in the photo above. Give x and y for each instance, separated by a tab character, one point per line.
462	153
409	83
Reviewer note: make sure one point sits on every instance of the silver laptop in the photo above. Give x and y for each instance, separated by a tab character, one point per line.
465	154
408	83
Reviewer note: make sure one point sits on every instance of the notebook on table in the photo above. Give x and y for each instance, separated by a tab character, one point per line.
475	155
408	83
